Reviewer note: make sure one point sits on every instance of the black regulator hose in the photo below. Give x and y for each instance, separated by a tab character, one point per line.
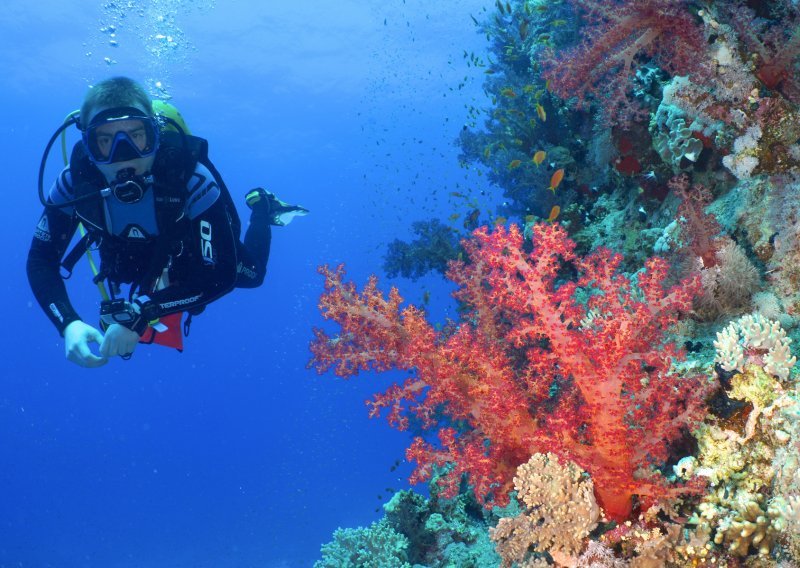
73	119
69	122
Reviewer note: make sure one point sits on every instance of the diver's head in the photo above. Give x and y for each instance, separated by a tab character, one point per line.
118	127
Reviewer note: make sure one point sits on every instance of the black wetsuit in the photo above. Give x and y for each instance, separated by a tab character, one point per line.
210	261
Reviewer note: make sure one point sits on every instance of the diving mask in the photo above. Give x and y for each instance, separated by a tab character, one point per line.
120	135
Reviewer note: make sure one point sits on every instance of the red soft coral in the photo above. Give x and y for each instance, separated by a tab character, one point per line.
531	368
620	34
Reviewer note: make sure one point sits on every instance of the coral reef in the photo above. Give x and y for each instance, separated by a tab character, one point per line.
673	128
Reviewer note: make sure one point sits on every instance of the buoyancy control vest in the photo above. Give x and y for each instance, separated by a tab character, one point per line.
132	257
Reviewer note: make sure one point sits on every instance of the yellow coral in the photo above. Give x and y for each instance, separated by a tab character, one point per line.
560	512
755	386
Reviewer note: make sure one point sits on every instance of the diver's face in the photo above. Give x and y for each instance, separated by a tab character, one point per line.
105	141
105	134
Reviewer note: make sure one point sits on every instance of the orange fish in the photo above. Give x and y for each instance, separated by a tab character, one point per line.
514	164
539	157
556	178
553	213
541	112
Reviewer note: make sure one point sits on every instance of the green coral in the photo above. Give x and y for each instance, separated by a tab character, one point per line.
376	546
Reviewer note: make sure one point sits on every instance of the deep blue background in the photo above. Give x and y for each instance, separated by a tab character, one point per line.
231	454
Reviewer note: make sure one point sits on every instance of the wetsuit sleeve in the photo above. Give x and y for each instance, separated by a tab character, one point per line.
206	270
53	234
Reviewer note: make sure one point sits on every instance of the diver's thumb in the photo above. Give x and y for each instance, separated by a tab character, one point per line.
93	334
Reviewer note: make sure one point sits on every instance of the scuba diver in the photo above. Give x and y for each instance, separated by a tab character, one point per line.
148	199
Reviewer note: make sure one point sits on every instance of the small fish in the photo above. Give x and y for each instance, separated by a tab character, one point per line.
558	23
528	89
500	221
523	30
487	151
508	92
553	213
539	157
500	7
457	194
547	85
541	112
471	220
530	218
454	216
556	178
426	298
508	7
514	164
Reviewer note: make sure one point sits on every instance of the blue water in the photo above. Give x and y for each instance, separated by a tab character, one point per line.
232	454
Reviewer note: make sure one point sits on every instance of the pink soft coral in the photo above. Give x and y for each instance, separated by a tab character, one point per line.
620	34
530	369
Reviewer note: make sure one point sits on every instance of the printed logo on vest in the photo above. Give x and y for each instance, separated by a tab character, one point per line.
136	233
43	230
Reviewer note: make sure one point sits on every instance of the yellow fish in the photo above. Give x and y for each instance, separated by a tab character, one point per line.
487	151
541	112
514	164
508	92
553	213
500	221
539	157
